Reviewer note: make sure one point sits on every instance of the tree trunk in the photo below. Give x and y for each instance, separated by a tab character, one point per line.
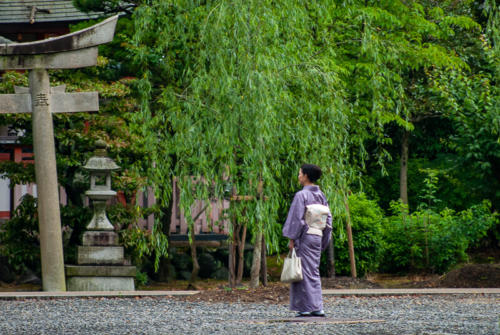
427	261
263	262
257	251
164	266
231	265
351	251
330	260
194	257
237	243
350	241
241	254
403	172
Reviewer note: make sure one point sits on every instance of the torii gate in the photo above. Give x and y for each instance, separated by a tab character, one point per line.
75	50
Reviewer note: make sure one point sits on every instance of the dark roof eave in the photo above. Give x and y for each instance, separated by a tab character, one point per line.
9	140
42	11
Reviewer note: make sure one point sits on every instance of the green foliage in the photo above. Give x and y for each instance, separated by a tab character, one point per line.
74	219
385	188
431	241
19	238
248	90
237	92
141	278
16	124
18	174
429	199
474	105
366	217
76	133
476	221
243	91
140	244
453	111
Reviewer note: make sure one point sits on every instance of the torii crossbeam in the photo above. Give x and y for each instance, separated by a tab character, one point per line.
75	50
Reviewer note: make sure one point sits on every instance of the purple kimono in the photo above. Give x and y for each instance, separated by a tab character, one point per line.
305	296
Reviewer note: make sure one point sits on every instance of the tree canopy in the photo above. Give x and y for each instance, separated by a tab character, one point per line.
243	91
229	95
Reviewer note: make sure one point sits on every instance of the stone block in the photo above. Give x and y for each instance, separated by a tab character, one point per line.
100	271
100	238
100	284
60	60
100	255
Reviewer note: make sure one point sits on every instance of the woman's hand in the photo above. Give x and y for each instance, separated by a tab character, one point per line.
291	245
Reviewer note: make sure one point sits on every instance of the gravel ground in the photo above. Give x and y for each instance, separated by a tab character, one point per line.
446	314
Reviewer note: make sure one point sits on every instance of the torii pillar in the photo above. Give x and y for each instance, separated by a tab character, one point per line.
69	51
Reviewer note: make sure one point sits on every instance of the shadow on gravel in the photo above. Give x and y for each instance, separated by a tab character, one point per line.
314	320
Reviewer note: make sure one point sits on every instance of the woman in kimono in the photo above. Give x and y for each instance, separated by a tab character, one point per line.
305	296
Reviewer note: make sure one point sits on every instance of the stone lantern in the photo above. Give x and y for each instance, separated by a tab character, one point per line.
100	258
100	167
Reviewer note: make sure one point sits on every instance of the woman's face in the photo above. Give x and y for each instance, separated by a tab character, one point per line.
303	179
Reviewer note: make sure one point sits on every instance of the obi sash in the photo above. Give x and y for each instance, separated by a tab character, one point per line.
315	218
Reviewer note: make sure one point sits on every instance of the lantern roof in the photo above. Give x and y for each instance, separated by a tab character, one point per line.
100	162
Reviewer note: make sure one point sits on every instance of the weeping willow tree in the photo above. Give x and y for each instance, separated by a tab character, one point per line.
237	93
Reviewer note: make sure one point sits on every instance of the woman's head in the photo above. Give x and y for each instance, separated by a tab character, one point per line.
309	173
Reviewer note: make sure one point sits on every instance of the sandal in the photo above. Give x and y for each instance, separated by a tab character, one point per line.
302	314
318	313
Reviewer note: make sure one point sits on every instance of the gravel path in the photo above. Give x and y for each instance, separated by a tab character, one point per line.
447	314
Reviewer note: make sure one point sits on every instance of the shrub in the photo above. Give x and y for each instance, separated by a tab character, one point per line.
19	238
429	241
144	247
366	220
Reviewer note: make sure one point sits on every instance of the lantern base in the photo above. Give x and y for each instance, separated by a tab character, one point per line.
100	284
100	265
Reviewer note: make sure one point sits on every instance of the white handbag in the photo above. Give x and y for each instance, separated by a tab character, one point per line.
292	268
